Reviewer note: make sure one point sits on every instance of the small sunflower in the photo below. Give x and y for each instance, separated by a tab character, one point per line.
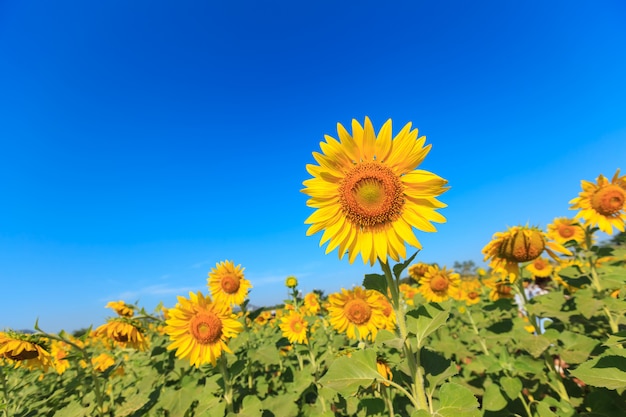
368	194
102	362
390	314
359	313
408	292
540	268
199	328
312	304
124	333
263	318
294	327
602	204
227	283
438	285
470	290
501	287
25	350
418	270
121	308
59	351
291	282
563	229
384	370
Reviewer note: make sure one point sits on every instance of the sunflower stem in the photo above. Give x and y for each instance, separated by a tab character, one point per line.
480	339
228	389
5	391
419	395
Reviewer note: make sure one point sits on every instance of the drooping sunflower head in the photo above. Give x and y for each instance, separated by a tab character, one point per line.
121	308
438	285
519	244
359	313
368	194
602	204
563	230
124	332
291	282
29	351
294	327
227	283
199	328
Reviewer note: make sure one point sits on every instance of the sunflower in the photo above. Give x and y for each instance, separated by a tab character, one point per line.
291	282
390	314
124	333
469	290
417	271
563	229
368	194
501	287
199	328
25	350
382	366
359	313
59	351
102	362
312	304
294	327
227	283
519	244
540	267
408	292
438	285
121	308
602	204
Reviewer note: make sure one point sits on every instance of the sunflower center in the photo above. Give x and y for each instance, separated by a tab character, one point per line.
296	326
206	328
608	200
23	355
120	337
371	195
230	283
472	295
439	283
358	311
539	264
566	231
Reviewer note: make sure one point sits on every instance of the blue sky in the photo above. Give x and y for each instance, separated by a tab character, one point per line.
143	142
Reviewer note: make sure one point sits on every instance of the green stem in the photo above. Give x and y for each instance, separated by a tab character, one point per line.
413	359
525	404
388	400
228	389
480	339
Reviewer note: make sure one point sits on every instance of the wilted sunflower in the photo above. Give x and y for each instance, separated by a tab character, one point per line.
124	332
562	230
540	267
227	283
519	244
294	327
25	350
359	313
121	308
368	194
438	285
384	370
199	328
602	204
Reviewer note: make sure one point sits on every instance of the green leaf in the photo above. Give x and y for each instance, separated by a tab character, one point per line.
251	406
511	386
456	401
425	320
398	268
376	282
533	344
266	355
347	374
607	370
493	400
577	347
387	338
283	405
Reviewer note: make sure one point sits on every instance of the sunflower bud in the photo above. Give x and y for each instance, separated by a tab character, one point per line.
523	245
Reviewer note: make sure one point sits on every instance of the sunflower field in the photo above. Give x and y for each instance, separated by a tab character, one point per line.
539	332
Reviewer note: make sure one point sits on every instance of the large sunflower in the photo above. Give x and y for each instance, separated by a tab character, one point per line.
25	350
438	285
602	204
227	283
294	327
368	194
199	328
359	313
124	332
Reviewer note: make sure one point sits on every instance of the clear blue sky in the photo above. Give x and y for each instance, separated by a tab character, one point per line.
142	142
